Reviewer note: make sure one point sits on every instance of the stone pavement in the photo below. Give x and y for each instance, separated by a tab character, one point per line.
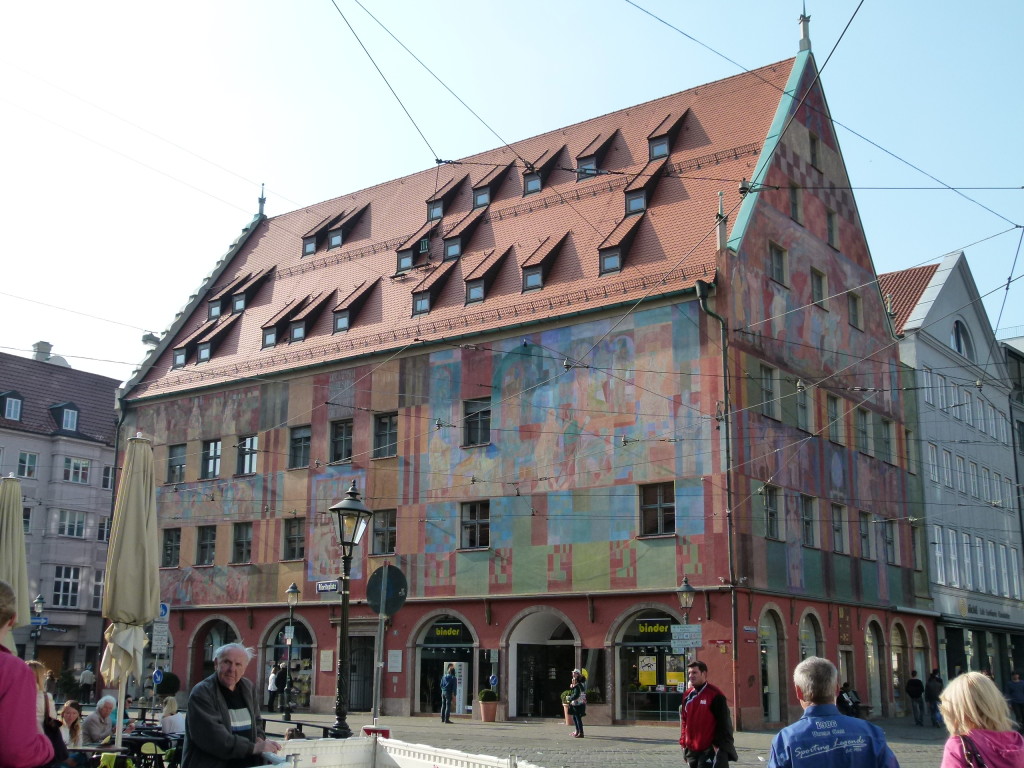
549	743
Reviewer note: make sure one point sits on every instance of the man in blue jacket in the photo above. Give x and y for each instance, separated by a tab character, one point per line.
823	736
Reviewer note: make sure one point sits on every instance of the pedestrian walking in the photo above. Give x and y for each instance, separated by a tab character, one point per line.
981	733
824	736
272	687
706	725
932	691
87	682
448	685
1015	695
915	692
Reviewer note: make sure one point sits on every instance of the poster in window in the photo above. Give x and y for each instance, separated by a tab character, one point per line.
648	670
675	670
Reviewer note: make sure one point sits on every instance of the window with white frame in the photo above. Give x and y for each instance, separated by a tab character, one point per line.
76	470
476	421
885	431
770	499
986	485
993	422
979	550
967	409
1015	574
997	489
947	468
341	440
248	450
926	384
960	340
1008	501
940	559
97	589
917	534
808	521
835	419
476	525
979	413
954	400
862	427
65	586
1004	566
891	532
385	435
71	522
940	391
209	466
299	441
968	579
933	462
972	473
838	528
385	531
993	569
27	464
867	549
12	408
961	474
769	388
657	509
954	563
107	481
69	419
777	263
803	410
103	529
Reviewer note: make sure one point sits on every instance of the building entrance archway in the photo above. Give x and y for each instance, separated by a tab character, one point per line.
543	655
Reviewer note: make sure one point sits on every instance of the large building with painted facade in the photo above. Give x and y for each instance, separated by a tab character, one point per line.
57	436
565	374
968	465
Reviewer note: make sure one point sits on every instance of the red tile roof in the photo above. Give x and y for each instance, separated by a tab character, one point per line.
724	127
906	288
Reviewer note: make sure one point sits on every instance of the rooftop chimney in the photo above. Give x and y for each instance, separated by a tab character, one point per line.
41	351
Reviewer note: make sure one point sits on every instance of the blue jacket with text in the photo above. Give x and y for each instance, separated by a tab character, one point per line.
823	737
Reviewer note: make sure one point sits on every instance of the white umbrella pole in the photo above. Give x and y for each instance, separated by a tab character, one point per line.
119	725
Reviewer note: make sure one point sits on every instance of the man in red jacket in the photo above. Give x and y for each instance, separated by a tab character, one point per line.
706	736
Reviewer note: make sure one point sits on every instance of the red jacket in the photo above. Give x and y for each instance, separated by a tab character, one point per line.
705	720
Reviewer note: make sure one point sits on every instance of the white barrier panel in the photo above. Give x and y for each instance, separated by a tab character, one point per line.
358	752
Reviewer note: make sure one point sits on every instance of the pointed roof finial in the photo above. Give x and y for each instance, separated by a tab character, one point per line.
805	30
263	198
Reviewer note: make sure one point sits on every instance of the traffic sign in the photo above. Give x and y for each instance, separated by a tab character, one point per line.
289	632
40	621
165	613
158	676
327	586
397	589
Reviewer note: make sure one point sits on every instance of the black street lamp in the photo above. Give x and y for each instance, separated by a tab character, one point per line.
292	593
350	517
37	628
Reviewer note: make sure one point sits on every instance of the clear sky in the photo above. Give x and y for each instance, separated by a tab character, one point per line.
135	135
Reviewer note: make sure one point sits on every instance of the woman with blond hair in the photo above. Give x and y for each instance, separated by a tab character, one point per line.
44	701
981	732
172	721
71	723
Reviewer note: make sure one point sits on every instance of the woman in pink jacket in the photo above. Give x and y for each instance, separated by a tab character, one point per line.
980	729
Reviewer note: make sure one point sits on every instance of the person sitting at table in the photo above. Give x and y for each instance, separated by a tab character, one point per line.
71	723
173	721
100	725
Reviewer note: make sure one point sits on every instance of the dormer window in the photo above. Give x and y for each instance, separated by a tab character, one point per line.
308	246
481	197
611	260
335	239
425	245
435	210
586	167
531	183
533	278
178	358
269	338
341	320
404	261
297	331
453	248
658	147
488	187
636	201
213	310
420	303
12	406
238	303
203	352
69	420
474	291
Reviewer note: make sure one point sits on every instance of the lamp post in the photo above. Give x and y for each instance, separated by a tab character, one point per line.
37	628
350	517
686	593
292	593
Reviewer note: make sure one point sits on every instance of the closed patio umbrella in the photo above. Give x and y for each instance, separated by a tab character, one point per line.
13	569
131	596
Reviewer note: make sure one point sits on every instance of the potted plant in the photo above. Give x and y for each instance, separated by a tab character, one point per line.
488	702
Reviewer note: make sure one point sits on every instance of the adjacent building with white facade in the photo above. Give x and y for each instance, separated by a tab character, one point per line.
57	436
968	465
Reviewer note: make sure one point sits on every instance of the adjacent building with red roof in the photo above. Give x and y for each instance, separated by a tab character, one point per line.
567	374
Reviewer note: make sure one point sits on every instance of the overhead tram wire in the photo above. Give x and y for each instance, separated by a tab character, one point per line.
384	78
860	136
1009	280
